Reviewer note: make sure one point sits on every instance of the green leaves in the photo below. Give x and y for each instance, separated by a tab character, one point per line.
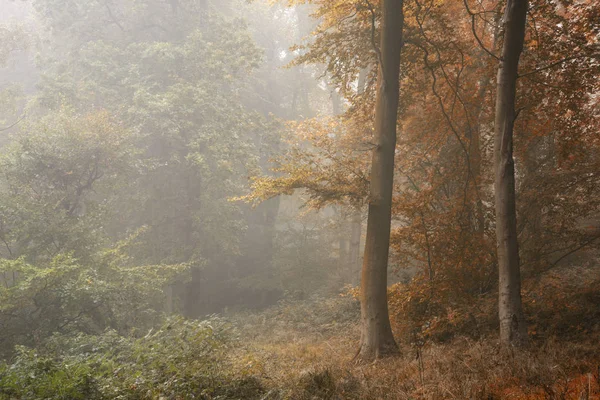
56	181
178	360
66	295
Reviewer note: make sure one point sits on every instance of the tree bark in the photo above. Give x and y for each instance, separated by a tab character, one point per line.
344	245
475	151
377	339
356	217
354	246
513	330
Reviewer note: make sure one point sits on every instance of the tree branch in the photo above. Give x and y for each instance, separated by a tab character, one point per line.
554	64
13	125
584	244
473	15
373	41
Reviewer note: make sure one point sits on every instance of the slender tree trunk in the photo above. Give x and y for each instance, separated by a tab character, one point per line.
344	245
377	339
343	240
475	154
356	216
531	226
354	245
475	157
513	330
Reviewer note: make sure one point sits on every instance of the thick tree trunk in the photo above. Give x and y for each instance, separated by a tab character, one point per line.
377	339
513	330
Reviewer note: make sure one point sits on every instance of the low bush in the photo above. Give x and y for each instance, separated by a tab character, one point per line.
181	360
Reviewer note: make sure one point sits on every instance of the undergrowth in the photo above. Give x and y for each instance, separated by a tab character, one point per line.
181	360
305	351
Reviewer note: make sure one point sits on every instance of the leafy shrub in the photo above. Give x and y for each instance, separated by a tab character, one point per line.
182	359
421	313
34	376
66	295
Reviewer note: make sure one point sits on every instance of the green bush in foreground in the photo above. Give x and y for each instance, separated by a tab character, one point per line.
182	359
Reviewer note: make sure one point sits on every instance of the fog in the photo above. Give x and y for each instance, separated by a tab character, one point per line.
198	103
187	188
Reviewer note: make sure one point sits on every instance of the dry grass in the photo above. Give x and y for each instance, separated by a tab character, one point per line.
305	350
297	355
462	369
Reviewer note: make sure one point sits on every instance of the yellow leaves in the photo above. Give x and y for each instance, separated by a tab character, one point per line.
351	291
321	160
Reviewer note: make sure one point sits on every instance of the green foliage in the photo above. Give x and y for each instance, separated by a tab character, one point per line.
178	90
181	359
56	182
32	376
65	295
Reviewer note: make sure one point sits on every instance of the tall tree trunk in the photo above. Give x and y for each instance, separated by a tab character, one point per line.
356	214
531	227
513	330
346	269
376	333
344	244
354	245
475	154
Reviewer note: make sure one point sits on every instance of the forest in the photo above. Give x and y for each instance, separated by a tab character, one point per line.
299	199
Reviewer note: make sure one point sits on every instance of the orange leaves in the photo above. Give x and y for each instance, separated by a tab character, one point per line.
581	387
324	158
443	219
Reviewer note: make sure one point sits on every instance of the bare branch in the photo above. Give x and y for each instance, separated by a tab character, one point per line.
13	125
373	42
474	30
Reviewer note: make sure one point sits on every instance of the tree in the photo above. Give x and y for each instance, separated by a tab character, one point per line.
58	183
513	329
180	82
376	333
443	207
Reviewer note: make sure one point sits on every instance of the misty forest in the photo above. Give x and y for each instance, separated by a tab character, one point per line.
299	199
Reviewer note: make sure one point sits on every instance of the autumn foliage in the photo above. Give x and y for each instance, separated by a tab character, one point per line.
443	217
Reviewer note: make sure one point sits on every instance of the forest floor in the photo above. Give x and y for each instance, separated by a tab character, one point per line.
305	350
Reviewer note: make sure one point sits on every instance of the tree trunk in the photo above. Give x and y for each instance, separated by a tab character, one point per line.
356	217
474	135
531	229
354	246
344	245
513	330
475	151
377	339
